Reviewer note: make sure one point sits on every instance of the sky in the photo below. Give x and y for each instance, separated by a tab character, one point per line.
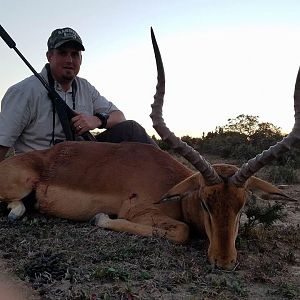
221	58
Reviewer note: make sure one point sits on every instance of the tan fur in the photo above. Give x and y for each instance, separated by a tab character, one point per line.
78	180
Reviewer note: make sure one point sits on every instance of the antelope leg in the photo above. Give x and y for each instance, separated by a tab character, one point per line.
171	229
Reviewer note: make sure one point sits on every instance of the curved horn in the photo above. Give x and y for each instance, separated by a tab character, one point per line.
210	175
274	152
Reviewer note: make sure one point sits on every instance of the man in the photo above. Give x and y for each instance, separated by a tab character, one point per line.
28	119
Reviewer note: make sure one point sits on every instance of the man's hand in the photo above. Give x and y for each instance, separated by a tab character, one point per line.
82	123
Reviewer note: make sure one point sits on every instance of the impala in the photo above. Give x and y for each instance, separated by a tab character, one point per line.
131	187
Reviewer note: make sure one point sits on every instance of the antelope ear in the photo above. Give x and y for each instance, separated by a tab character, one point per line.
187	185
264	186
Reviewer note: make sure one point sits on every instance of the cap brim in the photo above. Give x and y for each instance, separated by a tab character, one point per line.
80	46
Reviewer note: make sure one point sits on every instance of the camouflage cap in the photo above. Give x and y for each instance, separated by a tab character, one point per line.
64	35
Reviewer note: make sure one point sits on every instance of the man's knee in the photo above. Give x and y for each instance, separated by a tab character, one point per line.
139	133
131	126
129	130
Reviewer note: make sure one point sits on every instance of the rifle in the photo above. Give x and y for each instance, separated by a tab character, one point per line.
65	113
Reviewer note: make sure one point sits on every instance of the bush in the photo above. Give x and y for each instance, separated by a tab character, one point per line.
281	174
243	138
161	144
265	215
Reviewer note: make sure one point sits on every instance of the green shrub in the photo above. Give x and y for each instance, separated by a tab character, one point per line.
241	139
266	215
281	175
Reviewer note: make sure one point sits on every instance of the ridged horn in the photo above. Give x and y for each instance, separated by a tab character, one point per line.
274	152
210	175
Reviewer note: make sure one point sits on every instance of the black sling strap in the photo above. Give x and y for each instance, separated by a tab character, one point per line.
62	114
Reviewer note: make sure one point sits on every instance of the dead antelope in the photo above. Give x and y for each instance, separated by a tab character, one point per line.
137	182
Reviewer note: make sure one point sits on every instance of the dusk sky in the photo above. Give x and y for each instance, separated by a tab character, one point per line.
221	58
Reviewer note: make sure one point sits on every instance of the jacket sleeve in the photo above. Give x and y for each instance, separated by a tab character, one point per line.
100	103
14	116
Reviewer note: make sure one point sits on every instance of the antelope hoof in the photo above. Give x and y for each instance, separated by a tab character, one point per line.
12	217
100	220
17	210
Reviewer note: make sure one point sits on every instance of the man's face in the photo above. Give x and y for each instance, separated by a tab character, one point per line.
65	62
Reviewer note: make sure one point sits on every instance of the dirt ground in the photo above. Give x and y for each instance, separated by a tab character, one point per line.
48	258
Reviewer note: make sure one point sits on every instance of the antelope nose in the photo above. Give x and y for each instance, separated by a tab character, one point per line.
225	265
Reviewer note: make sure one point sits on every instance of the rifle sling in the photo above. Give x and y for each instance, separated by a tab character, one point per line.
60	108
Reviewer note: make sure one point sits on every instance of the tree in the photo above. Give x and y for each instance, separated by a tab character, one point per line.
242	137
243	124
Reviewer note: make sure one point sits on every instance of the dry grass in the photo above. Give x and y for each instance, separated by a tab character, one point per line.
67	260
